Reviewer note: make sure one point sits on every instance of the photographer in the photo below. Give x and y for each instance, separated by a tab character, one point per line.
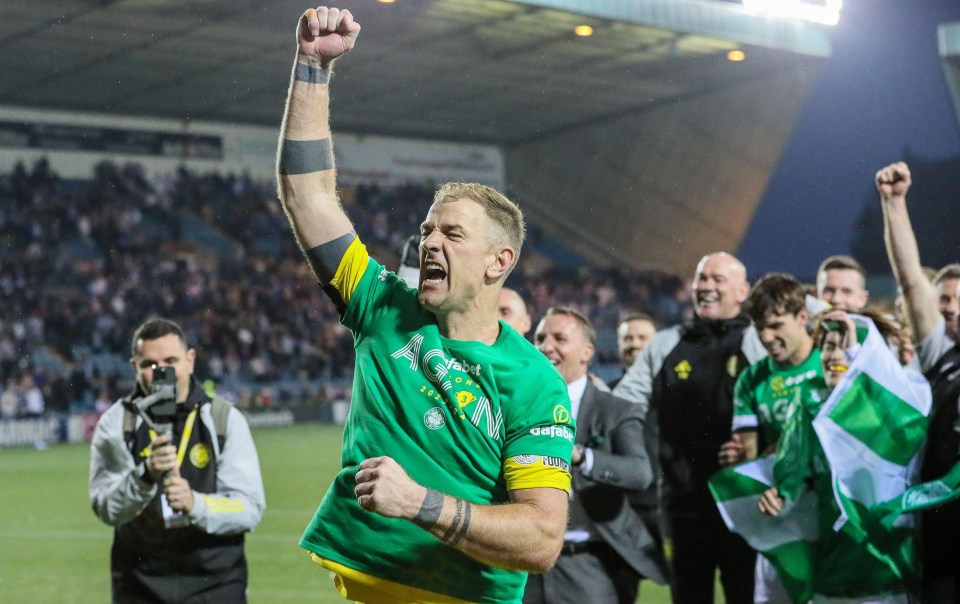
176	473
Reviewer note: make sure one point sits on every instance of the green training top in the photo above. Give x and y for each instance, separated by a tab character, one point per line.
763	393
453	414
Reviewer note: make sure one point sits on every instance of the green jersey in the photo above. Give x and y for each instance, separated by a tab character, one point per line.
764	391
464	418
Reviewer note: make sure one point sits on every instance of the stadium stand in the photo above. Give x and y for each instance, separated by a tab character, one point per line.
83	262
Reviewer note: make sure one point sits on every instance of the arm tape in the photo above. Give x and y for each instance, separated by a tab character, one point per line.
312	75
325	258
430	509
304	157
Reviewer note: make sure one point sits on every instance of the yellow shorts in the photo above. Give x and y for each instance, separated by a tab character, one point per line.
361	587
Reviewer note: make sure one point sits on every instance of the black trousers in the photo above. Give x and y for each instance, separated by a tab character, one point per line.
179	585
939	562
697	544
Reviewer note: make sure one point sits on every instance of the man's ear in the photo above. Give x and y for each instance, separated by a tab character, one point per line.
588	352
502	262
191	359
743	293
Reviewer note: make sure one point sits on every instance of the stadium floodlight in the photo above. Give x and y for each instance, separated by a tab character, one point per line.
826	12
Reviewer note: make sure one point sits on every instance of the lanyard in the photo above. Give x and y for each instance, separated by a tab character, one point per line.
184	436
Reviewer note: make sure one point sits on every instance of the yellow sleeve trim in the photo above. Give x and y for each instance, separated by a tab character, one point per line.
352	267
223	505
535	471
360	587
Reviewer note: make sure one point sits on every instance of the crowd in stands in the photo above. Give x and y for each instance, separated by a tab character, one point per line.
83	262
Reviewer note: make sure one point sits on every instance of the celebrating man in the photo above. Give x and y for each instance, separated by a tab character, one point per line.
455	464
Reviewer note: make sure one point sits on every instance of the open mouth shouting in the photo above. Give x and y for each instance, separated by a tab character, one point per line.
432	274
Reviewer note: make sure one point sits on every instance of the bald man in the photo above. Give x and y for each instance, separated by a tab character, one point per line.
513	311
684	379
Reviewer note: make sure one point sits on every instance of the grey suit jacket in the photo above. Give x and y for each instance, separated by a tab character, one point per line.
613	429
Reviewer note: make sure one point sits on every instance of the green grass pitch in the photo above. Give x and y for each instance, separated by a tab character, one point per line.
55	550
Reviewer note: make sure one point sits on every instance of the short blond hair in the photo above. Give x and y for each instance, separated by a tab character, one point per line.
503	212
950	271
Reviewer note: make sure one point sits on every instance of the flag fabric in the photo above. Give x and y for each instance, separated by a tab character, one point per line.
868	433
787	540
918	498
872	429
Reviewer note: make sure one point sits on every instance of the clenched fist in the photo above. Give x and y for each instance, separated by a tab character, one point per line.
323	33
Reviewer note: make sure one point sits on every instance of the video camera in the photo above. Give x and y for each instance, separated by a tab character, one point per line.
159	408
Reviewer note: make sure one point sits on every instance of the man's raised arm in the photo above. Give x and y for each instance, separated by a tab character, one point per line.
919	294
305	168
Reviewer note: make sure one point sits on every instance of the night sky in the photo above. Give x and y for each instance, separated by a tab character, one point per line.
882	92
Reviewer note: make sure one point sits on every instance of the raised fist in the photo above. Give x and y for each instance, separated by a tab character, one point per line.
894	180
326	33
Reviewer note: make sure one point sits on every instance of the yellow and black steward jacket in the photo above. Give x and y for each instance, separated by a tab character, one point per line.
692	403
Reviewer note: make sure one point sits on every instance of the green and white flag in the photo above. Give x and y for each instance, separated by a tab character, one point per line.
787	539
872	428
918	498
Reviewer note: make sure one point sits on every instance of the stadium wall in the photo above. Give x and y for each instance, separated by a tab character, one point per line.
74	143
79	427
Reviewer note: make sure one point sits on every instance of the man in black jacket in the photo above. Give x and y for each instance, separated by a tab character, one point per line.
607	548
683	381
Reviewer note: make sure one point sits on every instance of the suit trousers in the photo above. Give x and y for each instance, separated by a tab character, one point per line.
595	573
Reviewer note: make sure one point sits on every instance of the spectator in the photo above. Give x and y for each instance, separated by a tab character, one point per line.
10	400
606	548
939	354
513	311
32	403
685	379
633	335
842	282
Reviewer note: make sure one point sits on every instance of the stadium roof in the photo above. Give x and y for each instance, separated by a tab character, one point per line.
469	70
646	117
